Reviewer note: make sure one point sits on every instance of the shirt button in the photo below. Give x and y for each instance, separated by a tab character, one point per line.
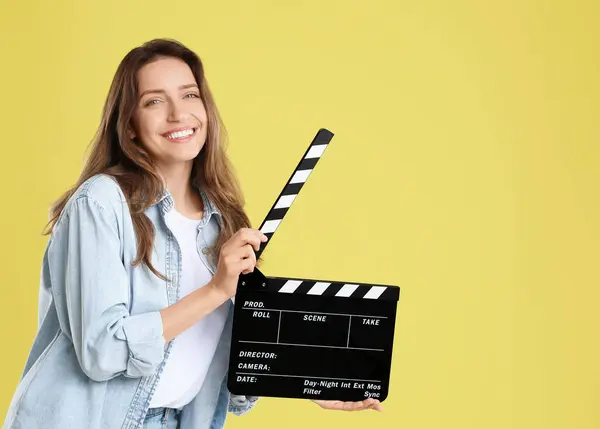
206	250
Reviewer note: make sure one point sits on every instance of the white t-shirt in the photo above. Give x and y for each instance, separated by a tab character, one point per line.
194	348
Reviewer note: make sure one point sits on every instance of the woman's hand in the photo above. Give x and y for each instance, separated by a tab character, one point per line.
236	257
367	404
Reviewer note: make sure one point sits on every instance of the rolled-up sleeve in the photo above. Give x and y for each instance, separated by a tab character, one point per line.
240	404
91	289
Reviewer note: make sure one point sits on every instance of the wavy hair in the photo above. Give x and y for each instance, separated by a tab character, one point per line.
113	153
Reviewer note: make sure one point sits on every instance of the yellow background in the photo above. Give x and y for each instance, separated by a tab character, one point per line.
464	169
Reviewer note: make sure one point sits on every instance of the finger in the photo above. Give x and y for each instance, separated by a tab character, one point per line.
352	406
334	405
247	266
254	236
364	405
261	236
348	405
371	404
248	255
328	404
248	252
367	404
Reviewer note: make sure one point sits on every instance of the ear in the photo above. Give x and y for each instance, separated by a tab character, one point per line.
130	133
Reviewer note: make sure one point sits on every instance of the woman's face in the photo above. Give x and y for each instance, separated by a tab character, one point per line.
169	120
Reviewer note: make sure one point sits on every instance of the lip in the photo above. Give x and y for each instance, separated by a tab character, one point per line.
182	139
174	130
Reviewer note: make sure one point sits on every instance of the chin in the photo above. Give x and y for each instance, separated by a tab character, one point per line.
183	154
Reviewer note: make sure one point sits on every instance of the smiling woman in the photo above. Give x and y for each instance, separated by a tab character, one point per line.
144	255
169	114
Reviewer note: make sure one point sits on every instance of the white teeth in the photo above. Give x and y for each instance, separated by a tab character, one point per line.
180	134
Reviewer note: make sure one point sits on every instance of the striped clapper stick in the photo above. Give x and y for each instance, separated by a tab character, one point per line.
295	183
307	338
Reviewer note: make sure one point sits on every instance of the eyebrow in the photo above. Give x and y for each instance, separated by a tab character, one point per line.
162	91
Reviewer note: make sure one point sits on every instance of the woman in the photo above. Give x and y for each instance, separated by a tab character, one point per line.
141	264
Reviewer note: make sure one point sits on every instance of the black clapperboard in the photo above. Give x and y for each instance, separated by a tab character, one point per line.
307	338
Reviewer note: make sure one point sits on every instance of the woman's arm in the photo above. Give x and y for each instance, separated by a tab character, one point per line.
91	288
190	309
237	257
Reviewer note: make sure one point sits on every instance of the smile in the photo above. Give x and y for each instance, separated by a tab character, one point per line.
180	135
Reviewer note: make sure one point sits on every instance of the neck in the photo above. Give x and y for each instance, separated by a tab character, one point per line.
186	199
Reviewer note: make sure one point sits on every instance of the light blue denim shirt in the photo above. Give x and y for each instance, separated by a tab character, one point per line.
99	350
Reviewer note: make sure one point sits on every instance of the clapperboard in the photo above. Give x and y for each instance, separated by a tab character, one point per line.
307	338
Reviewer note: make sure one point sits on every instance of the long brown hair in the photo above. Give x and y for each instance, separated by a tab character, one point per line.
114	153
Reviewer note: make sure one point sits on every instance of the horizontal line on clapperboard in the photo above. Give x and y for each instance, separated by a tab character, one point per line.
331	289
313	312
331	282
311	345
307	376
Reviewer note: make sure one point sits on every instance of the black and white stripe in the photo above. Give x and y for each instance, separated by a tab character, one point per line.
332	288
294	184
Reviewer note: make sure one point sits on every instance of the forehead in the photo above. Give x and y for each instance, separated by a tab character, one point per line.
164	73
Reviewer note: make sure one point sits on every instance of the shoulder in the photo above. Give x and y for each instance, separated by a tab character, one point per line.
100	193
103	189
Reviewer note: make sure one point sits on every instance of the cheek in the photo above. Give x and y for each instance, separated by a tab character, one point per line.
201	114
147	123
147	133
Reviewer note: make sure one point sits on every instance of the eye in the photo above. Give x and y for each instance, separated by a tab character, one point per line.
193	94
151	102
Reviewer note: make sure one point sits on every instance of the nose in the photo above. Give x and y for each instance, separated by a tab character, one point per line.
176	112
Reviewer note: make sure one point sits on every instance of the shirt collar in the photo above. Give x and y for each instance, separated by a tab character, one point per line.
166	203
